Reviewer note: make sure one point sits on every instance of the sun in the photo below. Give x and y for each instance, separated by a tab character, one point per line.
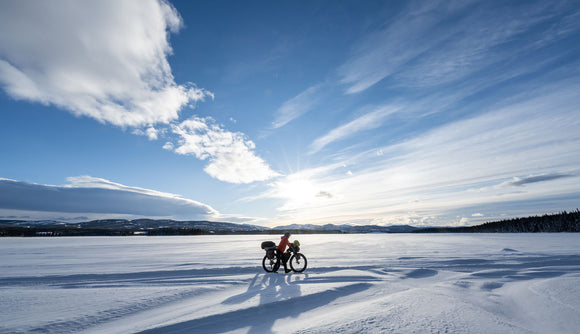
296	189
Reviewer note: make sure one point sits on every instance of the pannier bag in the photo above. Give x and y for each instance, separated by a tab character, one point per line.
268	244
270	248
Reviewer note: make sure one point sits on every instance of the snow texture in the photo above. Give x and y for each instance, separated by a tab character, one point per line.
374	283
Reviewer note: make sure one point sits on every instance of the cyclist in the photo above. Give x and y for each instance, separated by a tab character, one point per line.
284	242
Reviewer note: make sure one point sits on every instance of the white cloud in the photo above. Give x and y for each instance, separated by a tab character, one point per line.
103	59
381	53
89	196
231	155
108	60
371	120
422	47
150	132
296	106
452	170
168	146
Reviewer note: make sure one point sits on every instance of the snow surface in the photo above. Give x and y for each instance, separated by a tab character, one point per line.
373	283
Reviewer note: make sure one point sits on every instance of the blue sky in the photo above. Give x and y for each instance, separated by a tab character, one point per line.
269	113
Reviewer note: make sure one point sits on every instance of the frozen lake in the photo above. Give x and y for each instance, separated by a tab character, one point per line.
374	283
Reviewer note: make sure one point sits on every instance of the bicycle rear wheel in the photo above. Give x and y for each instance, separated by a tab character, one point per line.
298	262
271	264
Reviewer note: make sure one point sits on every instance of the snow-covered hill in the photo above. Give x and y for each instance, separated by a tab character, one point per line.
123	225
561	222
160	226
345	228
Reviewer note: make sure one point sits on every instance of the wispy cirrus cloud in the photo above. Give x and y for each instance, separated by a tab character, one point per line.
370	120
446	61
381	53
296	106
453	169
96	196
422	47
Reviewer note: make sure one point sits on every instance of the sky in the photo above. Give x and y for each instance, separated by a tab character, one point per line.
298	112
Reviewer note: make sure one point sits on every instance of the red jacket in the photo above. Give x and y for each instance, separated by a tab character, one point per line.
283	244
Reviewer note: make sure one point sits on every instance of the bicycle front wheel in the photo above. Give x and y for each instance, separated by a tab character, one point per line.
298	262
271	264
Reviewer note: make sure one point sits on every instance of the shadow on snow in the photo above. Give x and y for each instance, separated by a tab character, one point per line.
279	298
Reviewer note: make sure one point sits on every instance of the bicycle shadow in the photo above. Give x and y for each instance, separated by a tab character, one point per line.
279	296
270	288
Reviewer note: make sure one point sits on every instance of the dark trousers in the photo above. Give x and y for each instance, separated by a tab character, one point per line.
283	258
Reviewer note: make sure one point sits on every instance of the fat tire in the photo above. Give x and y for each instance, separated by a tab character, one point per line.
267	267
294	258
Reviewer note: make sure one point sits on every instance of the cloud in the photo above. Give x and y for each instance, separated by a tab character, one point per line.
108	60
102	59
168	146
519	182
150	132
403	38
90	195
453	169
230	154
296	106
437	43
371	120
324	194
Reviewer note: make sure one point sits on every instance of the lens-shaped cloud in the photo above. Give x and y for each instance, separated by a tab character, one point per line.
90	195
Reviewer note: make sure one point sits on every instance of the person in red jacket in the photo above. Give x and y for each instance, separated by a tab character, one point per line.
284	242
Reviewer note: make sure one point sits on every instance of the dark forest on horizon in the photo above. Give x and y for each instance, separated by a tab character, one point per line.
560	222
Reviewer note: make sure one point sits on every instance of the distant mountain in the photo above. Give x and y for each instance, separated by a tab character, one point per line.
562	222
123	227
155	224
345	228
174	227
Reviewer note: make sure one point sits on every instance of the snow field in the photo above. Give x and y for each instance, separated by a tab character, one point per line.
375	283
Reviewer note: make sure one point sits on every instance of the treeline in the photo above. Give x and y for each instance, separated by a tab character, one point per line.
560	222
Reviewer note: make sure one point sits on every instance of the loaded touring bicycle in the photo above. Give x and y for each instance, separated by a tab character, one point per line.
273	258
